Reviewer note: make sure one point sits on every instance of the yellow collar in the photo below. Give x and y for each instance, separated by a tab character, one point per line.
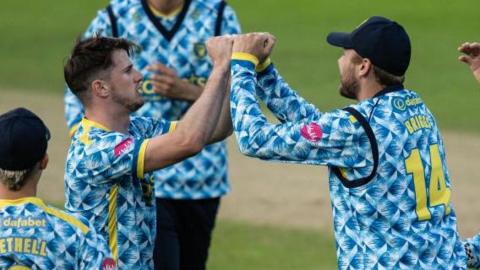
20	201
158	13
89	123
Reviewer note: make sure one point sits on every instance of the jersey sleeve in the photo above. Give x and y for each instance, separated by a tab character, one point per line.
149	127
73	107
94	253
329	139
230	24
281	100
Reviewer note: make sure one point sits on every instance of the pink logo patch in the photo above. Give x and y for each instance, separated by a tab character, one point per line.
312	132
122	147
109	264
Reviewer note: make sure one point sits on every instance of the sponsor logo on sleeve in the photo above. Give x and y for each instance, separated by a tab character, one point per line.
122	147
108	264
312	132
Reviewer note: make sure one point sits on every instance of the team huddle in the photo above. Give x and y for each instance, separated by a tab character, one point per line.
154	88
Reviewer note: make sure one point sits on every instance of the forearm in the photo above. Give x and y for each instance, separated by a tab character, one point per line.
282	100
202	117
255	136
224	126
191	91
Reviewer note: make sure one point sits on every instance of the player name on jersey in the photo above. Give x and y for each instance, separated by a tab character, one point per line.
27	245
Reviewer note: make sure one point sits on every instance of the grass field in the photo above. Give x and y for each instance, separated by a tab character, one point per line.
37	35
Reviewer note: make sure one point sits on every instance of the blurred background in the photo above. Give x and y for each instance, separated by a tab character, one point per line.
277	216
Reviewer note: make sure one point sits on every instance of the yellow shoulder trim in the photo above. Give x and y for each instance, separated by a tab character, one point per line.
141	160
262	66
245	57
65	217
73	130
49	210
173	126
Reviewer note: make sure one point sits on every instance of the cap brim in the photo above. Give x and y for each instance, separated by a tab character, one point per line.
340	39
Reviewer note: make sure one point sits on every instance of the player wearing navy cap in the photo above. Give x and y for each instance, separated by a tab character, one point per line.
389	184
35	235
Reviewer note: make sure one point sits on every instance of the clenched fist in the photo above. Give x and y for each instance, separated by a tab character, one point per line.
257	44
220	49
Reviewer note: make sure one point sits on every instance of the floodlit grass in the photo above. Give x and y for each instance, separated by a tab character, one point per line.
240	246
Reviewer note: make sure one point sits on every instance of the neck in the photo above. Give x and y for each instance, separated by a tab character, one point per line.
29	190
368	89
166	6
110	117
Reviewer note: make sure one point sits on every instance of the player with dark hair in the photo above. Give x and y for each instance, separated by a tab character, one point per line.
111	151
389	184
471	56
35	235
174	62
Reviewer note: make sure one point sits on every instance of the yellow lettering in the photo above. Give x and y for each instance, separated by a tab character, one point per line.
18	244
9	244
414	123
2	246
6	222
34	247
409	127
27	245
43	248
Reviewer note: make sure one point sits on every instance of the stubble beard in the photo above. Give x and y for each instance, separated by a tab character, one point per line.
349	87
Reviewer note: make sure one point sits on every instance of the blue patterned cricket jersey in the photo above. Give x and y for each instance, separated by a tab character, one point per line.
389	184
34	235
179	43
105	183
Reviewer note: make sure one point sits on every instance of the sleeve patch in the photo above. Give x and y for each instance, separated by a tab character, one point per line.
122	147
108	264
312	132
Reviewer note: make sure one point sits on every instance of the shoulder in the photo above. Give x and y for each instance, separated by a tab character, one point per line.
79	224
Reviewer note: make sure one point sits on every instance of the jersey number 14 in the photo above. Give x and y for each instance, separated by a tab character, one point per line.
438	192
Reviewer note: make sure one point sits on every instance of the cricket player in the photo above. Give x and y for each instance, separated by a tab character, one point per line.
471	56
174	62
111	153
33	234
389	184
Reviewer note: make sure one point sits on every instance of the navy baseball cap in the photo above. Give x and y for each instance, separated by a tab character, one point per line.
383	41
23	139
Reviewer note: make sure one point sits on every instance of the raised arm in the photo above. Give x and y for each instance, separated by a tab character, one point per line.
281	100
471	56
195	129
332	139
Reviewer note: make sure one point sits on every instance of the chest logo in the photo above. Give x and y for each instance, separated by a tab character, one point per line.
312	132
199	49
399	103
123	147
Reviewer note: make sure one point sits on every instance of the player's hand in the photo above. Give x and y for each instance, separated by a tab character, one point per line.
220	49
257	44
166	83
471	57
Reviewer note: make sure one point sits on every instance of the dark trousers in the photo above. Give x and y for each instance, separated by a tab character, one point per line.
184	230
